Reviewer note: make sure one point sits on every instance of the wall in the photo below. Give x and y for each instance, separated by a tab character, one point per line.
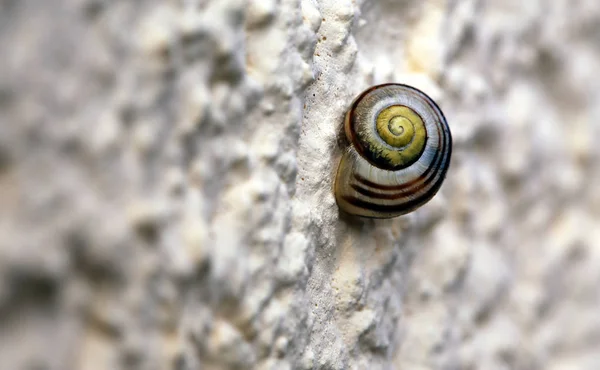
166	175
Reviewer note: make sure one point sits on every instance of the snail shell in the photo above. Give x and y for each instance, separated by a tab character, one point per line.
399	154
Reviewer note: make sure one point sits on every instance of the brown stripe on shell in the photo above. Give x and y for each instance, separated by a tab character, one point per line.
384	209
410	204
372	194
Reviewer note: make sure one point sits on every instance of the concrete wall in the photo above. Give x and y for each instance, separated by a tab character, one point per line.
166	174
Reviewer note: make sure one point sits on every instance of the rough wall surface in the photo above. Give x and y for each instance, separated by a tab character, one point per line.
166	178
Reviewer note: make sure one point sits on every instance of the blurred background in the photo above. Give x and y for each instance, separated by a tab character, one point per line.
166	173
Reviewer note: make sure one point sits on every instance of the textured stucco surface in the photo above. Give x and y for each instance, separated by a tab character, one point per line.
166	175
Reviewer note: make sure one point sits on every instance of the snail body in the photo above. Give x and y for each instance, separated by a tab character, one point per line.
400	149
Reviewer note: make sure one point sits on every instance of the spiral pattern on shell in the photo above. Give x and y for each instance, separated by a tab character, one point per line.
400	152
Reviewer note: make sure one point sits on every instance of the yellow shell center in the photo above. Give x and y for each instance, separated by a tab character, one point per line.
403	129
399	133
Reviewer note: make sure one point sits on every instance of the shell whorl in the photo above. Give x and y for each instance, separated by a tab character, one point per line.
399	154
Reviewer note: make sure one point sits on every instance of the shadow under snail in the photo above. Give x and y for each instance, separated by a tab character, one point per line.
399	154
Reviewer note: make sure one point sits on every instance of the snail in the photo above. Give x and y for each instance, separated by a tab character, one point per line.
399	153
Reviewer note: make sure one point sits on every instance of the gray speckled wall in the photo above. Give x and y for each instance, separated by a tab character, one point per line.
166	175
